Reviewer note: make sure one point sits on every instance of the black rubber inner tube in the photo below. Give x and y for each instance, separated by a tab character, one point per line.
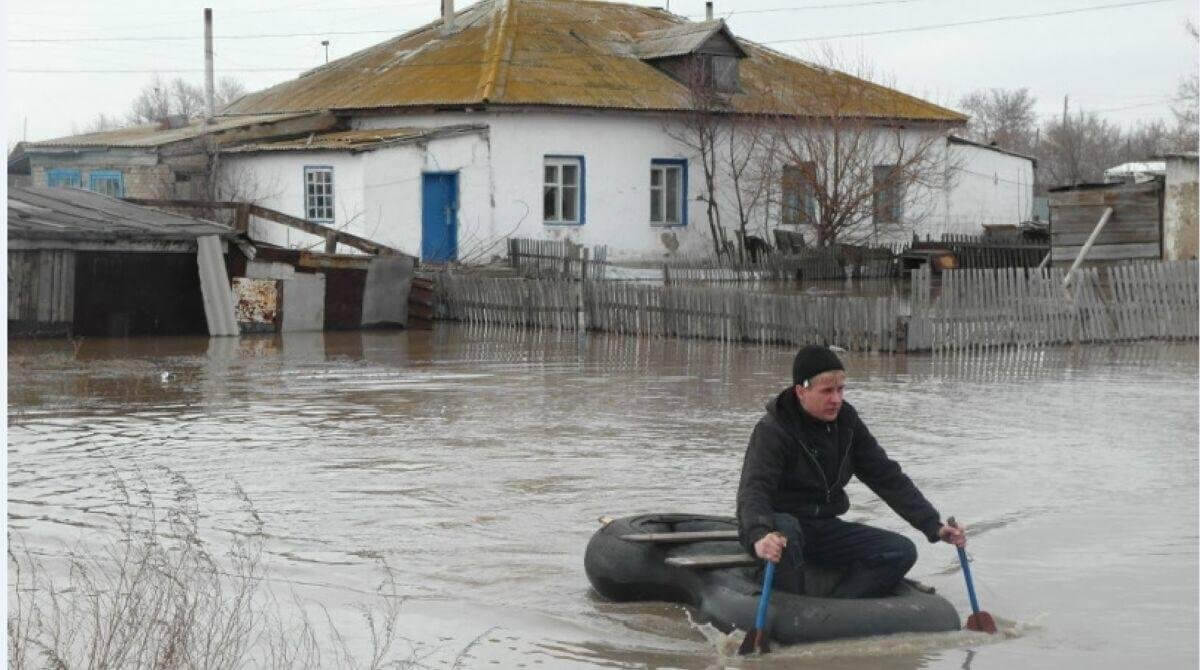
624	570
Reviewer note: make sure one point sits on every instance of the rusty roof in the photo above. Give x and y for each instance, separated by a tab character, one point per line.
576	53
45	213
357	140
153	135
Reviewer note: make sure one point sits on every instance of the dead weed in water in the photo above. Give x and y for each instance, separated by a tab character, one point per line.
157	596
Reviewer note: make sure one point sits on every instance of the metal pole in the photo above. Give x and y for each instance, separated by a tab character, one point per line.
208	65
325	43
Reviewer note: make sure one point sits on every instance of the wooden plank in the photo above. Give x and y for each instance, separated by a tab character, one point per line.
713	561
1107	252
682	537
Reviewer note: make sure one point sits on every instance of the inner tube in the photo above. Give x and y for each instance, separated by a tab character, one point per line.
727	597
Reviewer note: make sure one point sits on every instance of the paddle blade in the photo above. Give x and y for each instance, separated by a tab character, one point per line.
756	640
982	622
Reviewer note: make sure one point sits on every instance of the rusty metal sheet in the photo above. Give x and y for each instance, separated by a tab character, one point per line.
256	304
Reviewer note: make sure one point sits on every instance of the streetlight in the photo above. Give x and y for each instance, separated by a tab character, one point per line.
325	43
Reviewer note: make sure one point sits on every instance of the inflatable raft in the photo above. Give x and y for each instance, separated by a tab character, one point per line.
697	560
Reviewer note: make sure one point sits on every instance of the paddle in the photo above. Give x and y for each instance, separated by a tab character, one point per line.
756	638
978	621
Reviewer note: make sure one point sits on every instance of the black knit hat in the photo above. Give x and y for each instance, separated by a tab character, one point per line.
812	361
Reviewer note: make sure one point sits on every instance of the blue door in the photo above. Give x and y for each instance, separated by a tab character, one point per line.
439	217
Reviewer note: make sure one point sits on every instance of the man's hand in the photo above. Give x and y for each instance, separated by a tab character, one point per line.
770	547
955	535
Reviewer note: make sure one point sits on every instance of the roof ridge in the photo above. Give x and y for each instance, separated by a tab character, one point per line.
499	52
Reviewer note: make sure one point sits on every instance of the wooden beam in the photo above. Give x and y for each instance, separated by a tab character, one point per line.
680	538
360	243
713	561
184	204
277	130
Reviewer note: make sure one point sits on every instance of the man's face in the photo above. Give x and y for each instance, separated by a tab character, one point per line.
822	398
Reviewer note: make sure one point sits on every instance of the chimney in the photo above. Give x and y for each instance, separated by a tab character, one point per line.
447	17
208	66
708	11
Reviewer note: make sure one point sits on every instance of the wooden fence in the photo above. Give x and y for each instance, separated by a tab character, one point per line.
1021	307
556	258
971	309
861	324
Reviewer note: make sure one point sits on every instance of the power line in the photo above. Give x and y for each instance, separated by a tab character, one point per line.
957	24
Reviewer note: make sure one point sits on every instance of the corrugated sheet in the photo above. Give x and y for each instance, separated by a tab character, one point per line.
357	140
676	40
563	53
152	135
40	213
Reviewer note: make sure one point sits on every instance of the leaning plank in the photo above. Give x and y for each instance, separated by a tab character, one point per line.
680	538
713	561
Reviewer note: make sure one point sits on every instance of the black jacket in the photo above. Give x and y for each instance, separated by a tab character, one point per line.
800	465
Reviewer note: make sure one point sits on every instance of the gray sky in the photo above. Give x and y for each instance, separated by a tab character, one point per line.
1122	58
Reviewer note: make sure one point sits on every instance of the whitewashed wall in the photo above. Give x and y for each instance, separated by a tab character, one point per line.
377	194
987	187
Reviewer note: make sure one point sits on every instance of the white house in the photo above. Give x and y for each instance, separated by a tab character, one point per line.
568	119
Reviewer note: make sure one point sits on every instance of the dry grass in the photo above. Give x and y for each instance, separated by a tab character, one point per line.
155	595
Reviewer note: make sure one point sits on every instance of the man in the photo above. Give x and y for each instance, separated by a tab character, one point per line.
792	490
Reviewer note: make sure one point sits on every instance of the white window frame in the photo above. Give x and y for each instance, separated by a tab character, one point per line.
668	171
555	190
318	193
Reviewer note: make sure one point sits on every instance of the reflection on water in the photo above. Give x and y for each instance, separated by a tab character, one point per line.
476	460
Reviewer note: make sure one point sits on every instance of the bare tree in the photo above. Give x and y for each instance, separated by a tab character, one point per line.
1002	116
700	129
851	172
1187	104
1077	149
159	100
748	158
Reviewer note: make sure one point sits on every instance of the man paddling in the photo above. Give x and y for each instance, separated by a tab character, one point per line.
801	455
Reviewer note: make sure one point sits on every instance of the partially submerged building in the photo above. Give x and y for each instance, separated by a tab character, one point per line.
543	119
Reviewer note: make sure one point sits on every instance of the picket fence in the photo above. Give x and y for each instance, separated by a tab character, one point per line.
968	309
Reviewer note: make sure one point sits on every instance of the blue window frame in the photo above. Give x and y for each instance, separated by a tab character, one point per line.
318	192
668	192
564	194
61	177
108	182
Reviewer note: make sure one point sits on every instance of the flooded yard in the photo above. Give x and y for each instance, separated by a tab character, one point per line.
475	462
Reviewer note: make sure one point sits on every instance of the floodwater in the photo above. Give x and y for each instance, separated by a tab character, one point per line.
477	461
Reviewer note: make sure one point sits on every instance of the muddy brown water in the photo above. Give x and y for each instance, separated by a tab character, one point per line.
476	462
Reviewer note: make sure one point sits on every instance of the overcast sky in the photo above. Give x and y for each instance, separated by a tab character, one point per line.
67	62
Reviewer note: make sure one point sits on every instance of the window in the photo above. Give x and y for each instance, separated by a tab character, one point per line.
725	74
562	190
59	177
799	197
668	192
887	200
318	193
108	182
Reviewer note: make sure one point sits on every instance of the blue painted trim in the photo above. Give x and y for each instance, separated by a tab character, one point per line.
582	188
64	177
98	175
304	192
683	190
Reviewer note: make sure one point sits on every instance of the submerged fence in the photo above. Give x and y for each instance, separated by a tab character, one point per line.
970	309
1016	306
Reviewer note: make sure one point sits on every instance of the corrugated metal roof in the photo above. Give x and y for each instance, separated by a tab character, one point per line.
357	140
40	212
149	136
678	40
563	53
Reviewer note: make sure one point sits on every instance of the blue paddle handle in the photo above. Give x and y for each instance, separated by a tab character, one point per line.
966	568
760	618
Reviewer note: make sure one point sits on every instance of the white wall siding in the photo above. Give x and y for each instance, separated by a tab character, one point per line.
988	188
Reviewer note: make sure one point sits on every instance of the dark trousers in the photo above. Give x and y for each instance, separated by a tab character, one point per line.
875	559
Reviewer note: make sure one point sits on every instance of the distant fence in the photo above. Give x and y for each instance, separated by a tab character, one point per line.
1015	306
977	251
556	258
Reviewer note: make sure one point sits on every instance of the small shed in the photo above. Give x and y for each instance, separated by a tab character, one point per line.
83	263
1133	231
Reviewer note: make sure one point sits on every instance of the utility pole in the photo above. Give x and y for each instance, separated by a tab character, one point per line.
1065	111
325	43
208	67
